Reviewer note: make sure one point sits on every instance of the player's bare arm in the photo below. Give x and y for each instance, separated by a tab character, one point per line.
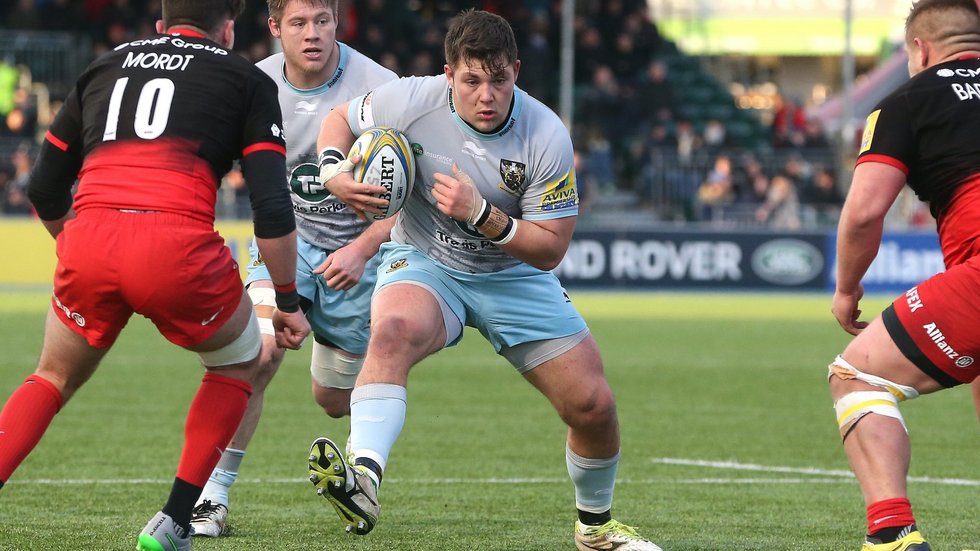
333	143
873	190
540	243
344	267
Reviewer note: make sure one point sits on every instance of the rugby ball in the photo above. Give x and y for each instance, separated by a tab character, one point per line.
386	160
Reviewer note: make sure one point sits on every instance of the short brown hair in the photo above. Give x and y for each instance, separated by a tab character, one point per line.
942	21
481	36
206	15
277	7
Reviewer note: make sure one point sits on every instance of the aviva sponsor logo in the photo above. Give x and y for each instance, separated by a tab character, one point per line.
561	194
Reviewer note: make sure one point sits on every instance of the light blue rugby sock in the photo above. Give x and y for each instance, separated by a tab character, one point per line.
594	480
223	476
377	415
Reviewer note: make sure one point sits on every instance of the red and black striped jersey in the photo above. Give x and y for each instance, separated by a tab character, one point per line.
155	124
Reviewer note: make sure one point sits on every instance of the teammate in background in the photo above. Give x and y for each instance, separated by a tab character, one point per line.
148	130
923	134
493	210
335	271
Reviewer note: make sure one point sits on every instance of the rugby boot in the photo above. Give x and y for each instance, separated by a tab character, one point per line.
209	519
913	541
348	488
611	535
162	534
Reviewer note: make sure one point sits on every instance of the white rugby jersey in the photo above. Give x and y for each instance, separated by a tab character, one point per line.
525	169
321	219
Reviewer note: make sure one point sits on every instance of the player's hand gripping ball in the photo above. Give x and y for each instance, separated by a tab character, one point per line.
387	161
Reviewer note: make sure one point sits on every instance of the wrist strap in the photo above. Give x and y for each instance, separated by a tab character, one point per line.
510	230
287	299
484	214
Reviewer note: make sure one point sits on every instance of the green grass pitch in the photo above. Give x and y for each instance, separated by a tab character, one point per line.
729	442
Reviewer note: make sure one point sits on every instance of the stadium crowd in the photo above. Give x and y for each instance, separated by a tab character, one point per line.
635	137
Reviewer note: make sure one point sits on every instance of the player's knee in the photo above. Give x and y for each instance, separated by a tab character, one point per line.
853	403
334	401
854	406
334	373
392	332
596	410
269	361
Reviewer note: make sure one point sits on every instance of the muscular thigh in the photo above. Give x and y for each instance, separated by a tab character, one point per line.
573	379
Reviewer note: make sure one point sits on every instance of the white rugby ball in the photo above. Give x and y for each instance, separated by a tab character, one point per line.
387	161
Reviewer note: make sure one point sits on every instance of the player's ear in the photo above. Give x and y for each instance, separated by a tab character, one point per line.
449	73
274	28
517	68
160	26
228	34
923	51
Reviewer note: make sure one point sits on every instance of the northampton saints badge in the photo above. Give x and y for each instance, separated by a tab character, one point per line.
513	174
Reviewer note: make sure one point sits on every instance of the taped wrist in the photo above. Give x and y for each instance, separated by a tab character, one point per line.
331	161
330	156
480	215
287	299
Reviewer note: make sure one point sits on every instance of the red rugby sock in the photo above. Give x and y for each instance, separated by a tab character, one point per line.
24	419
213	418
887	513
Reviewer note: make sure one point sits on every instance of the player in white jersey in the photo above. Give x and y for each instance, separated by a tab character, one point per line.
336	266
492	212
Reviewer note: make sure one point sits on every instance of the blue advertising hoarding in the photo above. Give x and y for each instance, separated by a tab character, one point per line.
648	260
904	259
694	260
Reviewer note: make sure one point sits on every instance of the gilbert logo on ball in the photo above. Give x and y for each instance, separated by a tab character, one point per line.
387	161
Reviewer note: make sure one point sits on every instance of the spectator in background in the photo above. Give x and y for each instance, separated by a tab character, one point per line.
716	191
823	196
788	125
781	209
654	92
715	135
15	200
745	181
601	105
688	142
589	51
21	121
536	51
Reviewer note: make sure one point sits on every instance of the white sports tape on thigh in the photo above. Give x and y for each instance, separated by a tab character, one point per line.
332	369
852	407
245	348
264	296
845	371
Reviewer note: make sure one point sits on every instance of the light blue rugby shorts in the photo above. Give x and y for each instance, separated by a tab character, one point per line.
342	317
510	307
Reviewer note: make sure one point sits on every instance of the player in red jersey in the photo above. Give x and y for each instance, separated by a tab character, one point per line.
148	131
923	135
